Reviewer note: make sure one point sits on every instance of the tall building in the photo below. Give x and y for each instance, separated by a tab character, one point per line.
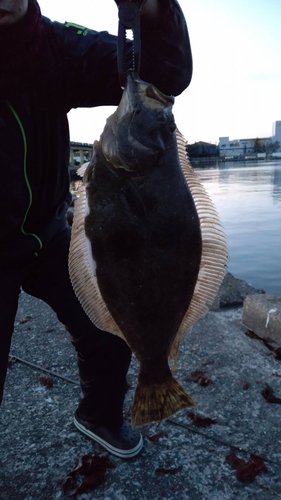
277	132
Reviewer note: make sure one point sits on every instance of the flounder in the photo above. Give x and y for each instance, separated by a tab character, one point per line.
147	255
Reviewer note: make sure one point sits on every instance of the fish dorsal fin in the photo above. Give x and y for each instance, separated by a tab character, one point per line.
214	249
82	270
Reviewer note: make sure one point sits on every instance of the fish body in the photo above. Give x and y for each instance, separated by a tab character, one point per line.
139	233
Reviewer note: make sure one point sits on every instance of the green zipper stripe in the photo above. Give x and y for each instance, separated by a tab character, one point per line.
25	176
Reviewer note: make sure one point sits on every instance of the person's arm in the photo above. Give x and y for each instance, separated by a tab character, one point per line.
166	59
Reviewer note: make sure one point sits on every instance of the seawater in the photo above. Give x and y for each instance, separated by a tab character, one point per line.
247	196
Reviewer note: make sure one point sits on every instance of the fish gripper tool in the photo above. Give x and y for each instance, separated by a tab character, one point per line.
128	52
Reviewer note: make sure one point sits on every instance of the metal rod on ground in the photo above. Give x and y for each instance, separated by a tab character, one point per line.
219	441
28	363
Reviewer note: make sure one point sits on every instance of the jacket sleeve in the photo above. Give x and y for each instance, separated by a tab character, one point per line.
90	59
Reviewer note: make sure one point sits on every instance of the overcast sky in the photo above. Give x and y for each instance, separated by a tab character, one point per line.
236	85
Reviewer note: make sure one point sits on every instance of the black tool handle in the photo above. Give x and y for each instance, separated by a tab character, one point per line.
129	19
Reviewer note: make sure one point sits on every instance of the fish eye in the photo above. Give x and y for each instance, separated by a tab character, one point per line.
162	118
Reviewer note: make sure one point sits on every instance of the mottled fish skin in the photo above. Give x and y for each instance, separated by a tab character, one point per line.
144	231
146	241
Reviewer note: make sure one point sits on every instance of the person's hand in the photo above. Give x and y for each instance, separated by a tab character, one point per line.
69	215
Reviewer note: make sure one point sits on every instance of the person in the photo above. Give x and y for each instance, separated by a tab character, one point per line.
46	69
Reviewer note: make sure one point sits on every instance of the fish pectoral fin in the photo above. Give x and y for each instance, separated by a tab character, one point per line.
81	170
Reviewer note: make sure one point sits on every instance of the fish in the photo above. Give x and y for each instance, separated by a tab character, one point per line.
147	252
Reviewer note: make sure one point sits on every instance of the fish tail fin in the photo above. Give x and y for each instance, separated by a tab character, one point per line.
157	401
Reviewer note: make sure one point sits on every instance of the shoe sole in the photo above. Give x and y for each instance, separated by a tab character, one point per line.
115	451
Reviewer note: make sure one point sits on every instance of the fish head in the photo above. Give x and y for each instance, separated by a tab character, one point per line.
142	128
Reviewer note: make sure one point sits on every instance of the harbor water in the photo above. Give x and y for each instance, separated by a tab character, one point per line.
247	196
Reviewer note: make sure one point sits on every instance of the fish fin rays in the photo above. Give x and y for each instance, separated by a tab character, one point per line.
81	170
82	271
156	402
214	249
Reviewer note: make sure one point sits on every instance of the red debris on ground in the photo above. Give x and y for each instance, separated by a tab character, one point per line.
200	378
269	395
88	475
277	354
201	421
155	437
47	382
25	320
246	471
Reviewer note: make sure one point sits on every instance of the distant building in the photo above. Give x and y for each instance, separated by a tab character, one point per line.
239	147
245	147
202	150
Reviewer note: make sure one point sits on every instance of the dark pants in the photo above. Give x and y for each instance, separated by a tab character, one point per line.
103	358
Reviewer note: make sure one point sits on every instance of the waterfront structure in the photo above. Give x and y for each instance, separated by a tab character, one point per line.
80	152
246	147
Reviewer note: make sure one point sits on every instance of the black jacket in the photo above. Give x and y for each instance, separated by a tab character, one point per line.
78	67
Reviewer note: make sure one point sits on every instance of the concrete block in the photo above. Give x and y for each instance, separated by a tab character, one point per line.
262	315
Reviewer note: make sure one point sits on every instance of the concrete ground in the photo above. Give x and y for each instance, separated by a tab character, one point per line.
40	445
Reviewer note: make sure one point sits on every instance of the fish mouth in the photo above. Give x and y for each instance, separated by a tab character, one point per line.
147	94
142	147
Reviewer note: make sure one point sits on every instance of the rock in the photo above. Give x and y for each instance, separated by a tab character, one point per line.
233	291
262	315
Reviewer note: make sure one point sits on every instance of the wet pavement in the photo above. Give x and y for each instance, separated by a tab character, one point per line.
40	445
